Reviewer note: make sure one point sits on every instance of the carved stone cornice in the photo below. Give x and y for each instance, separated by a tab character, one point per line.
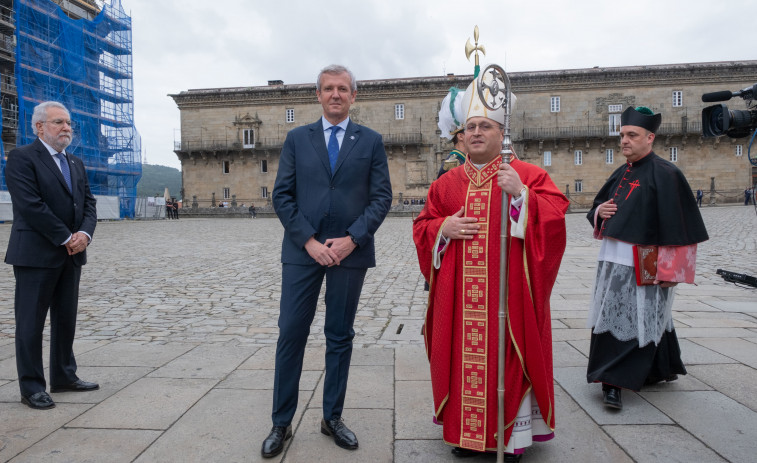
522	82
369	90
634	76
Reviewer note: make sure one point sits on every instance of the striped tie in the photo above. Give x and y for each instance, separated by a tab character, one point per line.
64	169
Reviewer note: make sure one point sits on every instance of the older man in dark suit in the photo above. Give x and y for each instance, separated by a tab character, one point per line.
54	218
332	192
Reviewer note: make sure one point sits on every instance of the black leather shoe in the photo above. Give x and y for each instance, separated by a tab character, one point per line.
39	400
343	437
460	452
612	397
274	443
76	386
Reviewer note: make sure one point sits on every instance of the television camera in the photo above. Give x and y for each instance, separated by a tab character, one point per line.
718	120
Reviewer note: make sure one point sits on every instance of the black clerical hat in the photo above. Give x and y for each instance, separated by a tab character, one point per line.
642	117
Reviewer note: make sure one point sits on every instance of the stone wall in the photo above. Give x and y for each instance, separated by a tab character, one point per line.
214	121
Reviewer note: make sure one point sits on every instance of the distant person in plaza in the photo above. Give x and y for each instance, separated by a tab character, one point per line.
451	123
332	192
645	208
700	195
457	236
169	209
253	214
175	208
747	196
54	218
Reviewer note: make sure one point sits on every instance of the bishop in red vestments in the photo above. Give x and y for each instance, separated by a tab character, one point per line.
457	236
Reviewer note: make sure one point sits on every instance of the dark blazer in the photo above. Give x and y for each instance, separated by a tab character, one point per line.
45	213
310	201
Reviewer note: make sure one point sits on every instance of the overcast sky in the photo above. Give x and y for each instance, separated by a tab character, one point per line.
187	44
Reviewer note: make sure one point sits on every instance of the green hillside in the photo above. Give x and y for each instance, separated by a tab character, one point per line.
156	178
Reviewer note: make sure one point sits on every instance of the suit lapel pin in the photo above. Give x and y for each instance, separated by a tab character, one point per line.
352	137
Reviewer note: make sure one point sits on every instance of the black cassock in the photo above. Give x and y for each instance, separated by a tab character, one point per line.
655	207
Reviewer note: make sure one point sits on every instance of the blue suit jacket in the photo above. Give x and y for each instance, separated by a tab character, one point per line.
310	201
45	213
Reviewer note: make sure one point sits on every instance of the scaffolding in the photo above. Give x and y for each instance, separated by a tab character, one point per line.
87	66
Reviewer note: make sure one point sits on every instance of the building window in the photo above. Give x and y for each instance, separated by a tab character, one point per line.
226	167
554	104
673	154
677	98
226	193
614	124
248	136
578	157
739	150
615	108
579	186
548	158
609	156
264	166
264	192
290	115
399	111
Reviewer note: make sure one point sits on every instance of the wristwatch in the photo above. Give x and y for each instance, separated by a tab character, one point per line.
353	239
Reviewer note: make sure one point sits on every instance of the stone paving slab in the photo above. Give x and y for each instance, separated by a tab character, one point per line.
120	446
21	427
414	410
368	387
225	425
724	425
733	380
130	354
263	379
150	403
737	349
565	355
656	443
205	361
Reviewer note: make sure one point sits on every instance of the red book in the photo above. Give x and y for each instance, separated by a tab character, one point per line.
645	264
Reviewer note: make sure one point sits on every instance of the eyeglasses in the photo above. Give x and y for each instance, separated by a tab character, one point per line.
60	122
483	126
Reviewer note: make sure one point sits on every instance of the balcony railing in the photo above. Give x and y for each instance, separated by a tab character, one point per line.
403	138
277	143
224	145
571	132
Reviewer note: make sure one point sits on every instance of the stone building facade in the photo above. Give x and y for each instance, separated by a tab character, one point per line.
565	121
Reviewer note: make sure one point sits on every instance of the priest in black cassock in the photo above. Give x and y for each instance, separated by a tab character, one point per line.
646	206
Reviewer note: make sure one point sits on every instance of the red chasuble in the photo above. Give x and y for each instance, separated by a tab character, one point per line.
462	325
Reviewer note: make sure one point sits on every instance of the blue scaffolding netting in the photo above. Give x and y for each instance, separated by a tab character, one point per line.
87	66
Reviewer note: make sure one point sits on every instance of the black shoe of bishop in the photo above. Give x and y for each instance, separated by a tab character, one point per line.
342	435
274	443
612	397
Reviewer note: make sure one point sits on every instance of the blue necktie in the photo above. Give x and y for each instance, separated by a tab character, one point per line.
64	169
333	146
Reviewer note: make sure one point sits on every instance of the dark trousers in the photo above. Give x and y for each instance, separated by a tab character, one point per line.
37	290
300	287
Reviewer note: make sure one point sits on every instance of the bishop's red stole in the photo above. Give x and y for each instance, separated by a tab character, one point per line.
475	309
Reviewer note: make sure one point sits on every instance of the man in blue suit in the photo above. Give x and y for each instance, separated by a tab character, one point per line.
332	192
54	218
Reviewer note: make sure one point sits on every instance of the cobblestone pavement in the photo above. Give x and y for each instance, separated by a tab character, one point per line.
177	321
218	280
